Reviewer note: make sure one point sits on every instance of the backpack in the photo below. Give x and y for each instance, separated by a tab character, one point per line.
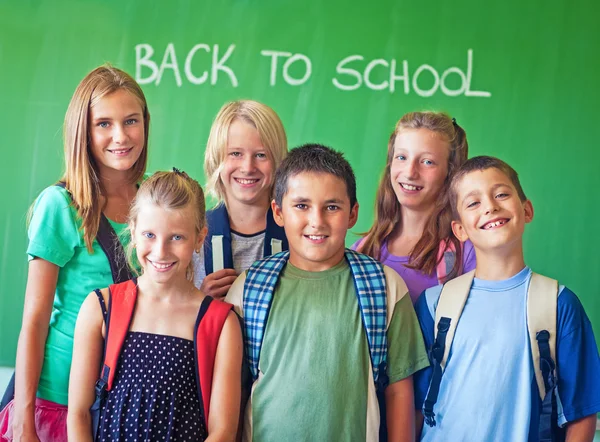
122	300
446	258
111	246
113	249
370	284
542	296
217	244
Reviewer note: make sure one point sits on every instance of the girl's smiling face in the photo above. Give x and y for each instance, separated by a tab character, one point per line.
116	132
165	241
419	168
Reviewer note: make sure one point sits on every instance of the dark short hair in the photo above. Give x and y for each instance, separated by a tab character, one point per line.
314	158
482	163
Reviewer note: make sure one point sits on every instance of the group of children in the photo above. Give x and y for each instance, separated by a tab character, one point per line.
253	320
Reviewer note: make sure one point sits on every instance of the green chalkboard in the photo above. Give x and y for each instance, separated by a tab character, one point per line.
521	77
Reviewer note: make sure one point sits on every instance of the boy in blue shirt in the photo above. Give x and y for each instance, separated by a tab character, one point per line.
488	391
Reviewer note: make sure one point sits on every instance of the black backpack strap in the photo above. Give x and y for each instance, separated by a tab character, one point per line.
100	387
382	383
102	305
99	399
113	249
436	355
111	246
548	426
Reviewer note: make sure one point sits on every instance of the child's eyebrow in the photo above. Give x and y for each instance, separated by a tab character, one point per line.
300	199
135	114
424	153
496	186
334	201
470	194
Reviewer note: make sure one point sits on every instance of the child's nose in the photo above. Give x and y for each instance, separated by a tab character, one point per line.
119	134
159	248
248	163
412	170
316	218
491	206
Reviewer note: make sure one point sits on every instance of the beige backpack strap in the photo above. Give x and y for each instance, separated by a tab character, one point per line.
450	305
217	253
542	299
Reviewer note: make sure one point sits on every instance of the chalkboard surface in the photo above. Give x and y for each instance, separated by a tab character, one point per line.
520	77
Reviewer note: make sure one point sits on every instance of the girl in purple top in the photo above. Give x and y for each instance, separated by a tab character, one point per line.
411	232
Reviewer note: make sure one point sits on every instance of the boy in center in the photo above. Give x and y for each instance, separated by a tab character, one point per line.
327	330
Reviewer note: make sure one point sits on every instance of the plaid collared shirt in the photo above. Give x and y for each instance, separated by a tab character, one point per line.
370	285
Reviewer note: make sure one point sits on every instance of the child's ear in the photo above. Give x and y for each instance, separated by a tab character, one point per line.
353	215
459	231
277	213
131	228
528	207
200	239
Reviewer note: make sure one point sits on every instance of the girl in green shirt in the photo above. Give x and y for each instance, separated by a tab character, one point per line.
106	147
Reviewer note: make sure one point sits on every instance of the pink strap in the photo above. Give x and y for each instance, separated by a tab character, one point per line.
445	262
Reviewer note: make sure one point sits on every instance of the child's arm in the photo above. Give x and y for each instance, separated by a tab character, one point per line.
419	421
578	368
39	295
85	368
582	430
227	384
406	356
399	402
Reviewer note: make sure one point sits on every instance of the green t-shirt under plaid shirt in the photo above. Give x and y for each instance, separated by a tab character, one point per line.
315	379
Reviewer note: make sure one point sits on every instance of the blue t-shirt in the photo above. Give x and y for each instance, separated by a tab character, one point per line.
488	391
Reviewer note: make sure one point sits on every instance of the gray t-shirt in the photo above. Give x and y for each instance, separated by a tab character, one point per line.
245	249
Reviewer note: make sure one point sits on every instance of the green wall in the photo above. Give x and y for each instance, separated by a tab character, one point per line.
521	77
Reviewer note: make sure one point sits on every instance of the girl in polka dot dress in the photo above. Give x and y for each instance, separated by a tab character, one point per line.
154	396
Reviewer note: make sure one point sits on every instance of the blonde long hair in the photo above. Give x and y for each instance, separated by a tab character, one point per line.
258	115
424	256
81	175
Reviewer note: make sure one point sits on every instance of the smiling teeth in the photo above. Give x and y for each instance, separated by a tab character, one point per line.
316	237
161	266
495	224
409	187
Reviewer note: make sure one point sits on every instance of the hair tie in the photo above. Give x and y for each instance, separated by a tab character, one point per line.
454	121
181	173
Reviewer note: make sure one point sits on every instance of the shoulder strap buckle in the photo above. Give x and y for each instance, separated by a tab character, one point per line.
100	388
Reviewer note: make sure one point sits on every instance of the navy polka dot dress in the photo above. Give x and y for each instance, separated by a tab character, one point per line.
154	395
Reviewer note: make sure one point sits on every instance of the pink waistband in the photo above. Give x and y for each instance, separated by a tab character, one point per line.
39	402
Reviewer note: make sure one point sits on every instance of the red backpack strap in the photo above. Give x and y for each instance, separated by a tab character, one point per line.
121	303
211	318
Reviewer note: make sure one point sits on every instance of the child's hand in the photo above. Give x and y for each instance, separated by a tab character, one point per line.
21	435
217	284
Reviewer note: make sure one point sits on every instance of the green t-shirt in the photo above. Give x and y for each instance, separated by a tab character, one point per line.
54	236
315	380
